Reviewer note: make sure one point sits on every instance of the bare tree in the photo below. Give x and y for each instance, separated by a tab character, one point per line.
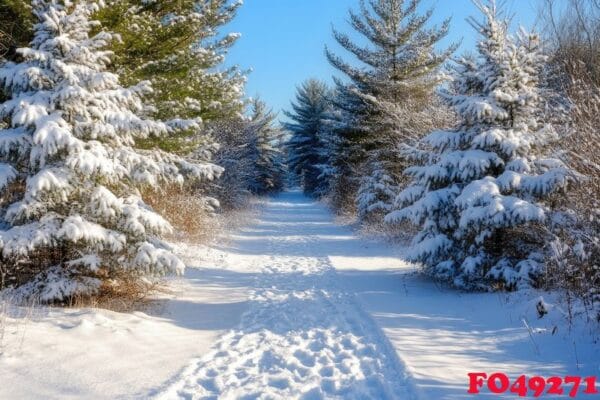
572	30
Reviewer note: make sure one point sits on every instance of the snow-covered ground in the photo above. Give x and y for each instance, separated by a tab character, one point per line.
293	306
99	354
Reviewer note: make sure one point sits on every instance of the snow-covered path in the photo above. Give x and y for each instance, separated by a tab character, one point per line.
292	306
304	335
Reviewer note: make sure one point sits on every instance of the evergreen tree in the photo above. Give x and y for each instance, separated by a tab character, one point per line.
400	69
483	184
178	47
346	154
308	155
265	150
71	213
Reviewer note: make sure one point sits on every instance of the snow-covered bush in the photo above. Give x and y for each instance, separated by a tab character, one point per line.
480	190
72	215
574	258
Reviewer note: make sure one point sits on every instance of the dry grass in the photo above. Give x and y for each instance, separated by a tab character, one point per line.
4	304
583	140
186	211
13	322
399	233
191	220
124	294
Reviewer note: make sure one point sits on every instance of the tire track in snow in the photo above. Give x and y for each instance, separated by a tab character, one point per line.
303	336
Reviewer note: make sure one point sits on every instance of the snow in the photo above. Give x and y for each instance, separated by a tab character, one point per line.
304	335
292	305
442	336
56	353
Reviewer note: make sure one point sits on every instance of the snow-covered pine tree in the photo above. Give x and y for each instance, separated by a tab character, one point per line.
71	214
483	184
265	150
179	47
401	65
307	148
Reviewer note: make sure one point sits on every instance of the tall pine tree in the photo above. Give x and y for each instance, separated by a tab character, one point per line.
397	72
307	147
178	46
265	150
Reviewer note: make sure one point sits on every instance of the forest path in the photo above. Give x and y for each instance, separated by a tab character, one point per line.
304	335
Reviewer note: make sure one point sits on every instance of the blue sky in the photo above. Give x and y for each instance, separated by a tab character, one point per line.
283	40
